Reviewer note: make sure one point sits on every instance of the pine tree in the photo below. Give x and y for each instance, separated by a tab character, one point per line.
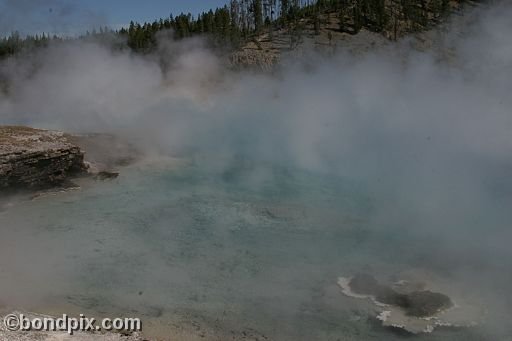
257	9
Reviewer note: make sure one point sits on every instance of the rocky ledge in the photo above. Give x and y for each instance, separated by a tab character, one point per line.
35	158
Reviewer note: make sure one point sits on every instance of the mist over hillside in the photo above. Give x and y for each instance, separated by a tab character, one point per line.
282	24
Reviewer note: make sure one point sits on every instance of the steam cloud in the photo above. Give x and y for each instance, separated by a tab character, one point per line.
405	119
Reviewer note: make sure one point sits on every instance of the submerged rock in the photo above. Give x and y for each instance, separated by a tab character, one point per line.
425	303
418	303
35	158
413	310
105	175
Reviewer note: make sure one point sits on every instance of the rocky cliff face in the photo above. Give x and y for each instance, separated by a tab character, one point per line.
265	52
33	158
325	36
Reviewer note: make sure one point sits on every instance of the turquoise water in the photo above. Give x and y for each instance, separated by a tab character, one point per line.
246	250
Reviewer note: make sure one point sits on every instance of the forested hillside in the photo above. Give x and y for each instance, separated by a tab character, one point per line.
240	21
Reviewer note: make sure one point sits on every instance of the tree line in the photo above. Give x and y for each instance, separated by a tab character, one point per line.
239	21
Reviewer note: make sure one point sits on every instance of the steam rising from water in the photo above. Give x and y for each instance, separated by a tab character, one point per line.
429	138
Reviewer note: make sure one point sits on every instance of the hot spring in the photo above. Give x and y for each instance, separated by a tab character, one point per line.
256	192
254	249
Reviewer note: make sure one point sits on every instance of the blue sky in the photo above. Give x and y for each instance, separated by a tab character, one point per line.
122	11
69	17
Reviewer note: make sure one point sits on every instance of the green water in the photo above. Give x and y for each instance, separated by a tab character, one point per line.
247	249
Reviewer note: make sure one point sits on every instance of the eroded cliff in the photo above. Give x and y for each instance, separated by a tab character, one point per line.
34	158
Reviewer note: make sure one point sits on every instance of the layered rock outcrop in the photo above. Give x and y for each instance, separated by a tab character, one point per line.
34	158
310	36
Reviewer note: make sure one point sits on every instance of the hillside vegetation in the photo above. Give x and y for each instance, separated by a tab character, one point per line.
240	22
